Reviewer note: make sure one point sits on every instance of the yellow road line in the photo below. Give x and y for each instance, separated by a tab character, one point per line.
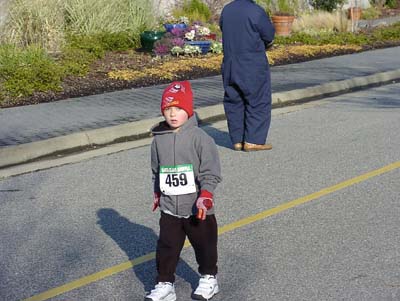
230	227
308	198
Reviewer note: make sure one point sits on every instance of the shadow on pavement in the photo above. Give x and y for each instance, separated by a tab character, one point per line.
221	138
137	240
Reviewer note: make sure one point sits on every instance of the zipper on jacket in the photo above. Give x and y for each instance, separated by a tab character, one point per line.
176	197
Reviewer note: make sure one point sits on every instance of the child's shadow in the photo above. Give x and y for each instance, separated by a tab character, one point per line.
221	138
137	240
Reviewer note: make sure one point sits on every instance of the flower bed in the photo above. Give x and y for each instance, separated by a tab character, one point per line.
130	69
183	39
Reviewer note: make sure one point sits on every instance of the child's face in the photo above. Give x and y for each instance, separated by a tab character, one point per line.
175	117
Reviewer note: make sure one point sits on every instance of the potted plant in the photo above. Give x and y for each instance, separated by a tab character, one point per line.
199	35
354	12
283	17
149	37
171	23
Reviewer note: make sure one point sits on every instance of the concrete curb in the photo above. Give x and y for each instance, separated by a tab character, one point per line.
28	152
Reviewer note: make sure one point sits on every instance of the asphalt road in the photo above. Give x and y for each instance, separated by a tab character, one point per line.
59	226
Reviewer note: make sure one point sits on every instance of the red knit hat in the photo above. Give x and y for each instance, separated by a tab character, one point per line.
178	94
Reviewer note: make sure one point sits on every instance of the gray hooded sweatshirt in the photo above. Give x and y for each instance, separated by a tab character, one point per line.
187	145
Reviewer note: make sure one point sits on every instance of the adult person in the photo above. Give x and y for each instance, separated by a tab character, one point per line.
246	33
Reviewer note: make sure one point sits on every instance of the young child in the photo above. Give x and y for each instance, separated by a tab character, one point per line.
186	170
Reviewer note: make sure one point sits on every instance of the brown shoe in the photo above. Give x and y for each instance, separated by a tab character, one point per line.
238	146
250	147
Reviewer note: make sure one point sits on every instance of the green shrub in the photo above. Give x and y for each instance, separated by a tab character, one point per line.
196	10
112	25
118	41
321	38
98	44
391	3
76	61
370	13
327	5
90	43
266	5
390	33
285	7
24	71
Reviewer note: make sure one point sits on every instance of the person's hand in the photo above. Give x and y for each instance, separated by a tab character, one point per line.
156	200
203	204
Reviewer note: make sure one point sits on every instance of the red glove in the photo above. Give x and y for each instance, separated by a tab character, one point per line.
156	200
204	203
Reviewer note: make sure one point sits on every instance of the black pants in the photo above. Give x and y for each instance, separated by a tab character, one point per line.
203	236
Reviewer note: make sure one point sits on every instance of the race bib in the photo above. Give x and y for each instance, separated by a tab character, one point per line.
177	179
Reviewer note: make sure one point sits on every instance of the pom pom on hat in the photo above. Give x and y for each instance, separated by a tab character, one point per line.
178	94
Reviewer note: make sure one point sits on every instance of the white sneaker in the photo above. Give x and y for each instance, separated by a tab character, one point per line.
163	291
208	287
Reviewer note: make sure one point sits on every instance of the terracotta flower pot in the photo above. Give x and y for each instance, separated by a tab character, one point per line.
282	24
354	13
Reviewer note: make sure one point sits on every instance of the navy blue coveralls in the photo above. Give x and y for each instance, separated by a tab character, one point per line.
246	30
